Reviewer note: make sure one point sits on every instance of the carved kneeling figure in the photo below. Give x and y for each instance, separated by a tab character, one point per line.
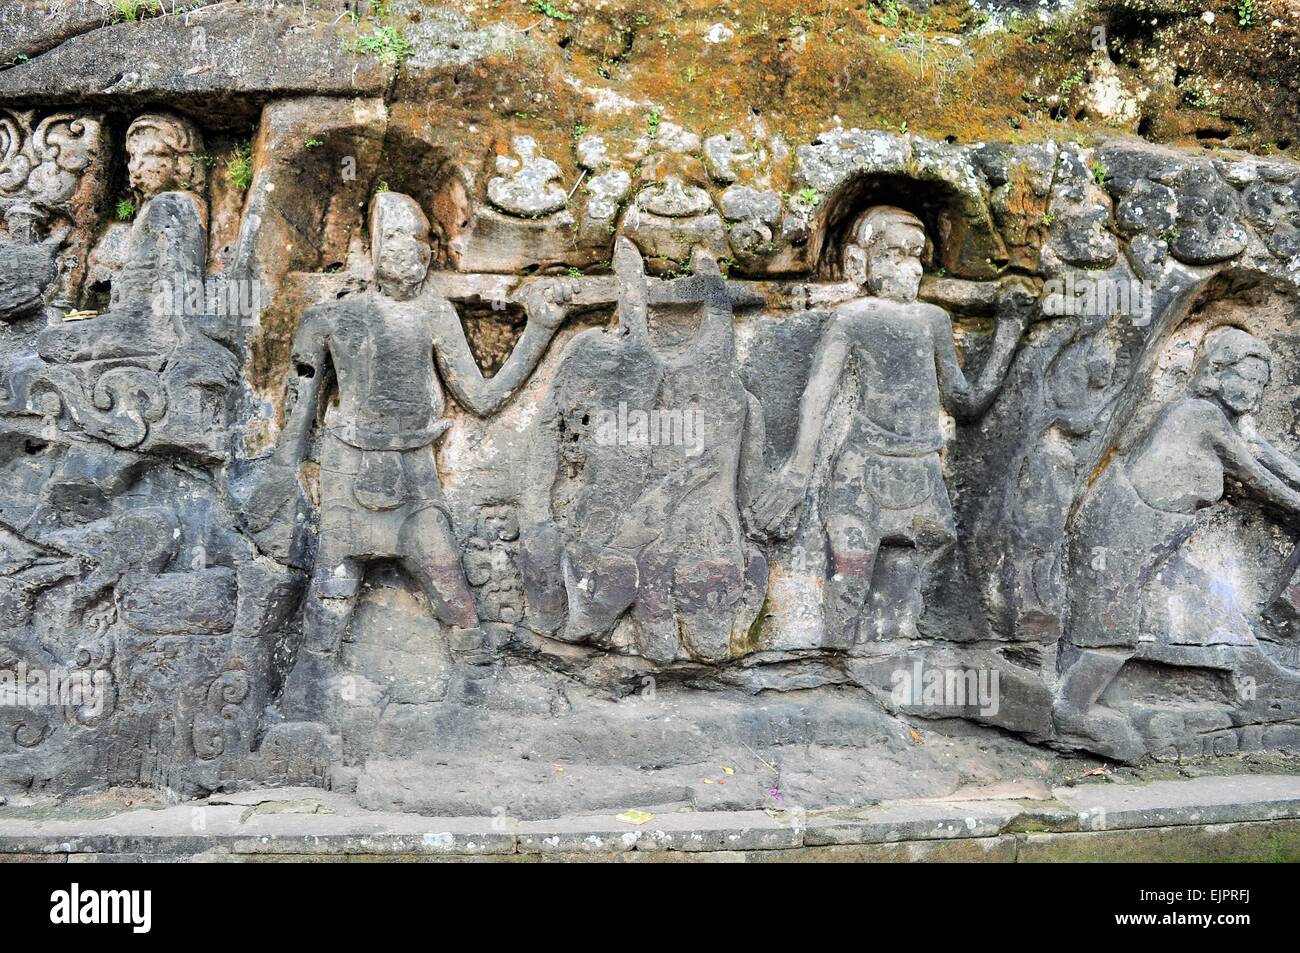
1142	509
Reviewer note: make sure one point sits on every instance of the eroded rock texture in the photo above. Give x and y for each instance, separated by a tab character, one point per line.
345	442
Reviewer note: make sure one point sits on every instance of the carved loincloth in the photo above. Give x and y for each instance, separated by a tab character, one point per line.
367	496
896	496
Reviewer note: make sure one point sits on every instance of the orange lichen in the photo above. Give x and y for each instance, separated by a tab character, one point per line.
804	65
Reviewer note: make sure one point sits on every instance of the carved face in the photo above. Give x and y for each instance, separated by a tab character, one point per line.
402	262
1241	385
153	168
893	262
500	522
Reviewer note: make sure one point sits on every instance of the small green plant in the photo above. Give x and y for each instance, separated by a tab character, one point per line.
381	186
20	58
125	210
575	272
124	10
1099	173
653	120
810	197
1047	219
388	44
1197	94
891	13
239	167
548	9
579	130
1246	13
1071	81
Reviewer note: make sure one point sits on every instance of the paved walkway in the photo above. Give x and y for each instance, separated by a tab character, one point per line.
1254	817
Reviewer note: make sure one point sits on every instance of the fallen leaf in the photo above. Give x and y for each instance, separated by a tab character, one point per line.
916	736
636	817
708	780
1095	772
727	770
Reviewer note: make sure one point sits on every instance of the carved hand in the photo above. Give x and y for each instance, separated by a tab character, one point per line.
1017	305
273	484
547	303
775	509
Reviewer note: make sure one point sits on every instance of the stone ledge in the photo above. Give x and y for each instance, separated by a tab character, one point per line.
1226	818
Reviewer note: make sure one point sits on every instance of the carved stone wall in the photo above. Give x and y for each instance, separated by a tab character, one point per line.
340	448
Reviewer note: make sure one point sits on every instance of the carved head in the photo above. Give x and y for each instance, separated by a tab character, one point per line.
884	253
399	244
500	522
1234	368
163	155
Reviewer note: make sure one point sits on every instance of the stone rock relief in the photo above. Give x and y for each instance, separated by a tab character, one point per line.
450	463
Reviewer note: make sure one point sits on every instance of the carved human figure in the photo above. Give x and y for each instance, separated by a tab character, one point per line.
491	562
28	262
653	514
392	348
1143	506
166	252
886	485
1022	530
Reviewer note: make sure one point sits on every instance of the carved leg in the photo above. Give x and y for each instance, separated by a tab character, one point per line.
658	637
331	600
1102	729
705	594
596	601
855	545
430	554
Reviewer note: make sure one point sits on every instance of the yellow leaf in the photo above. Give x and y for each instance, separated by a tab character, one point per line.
636	817
727	770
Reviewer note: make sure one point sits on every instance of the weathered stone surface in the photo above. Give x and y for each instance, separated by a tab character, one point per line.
222	58
385	407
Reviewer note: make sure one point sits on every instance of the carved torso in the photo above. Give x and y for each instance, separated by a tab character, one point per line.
389	395
899	401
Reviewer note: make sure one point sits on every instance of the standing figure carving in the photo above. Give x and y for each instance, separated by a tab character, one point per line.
886	484
391	347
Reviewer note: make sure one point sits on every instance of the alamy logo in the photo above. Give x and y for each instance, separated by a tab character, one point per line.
1088	297
75	906
661	427
956	688
87	689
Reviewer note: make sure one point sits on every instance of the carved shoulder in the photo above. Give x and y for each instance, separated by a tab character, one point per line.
1197	418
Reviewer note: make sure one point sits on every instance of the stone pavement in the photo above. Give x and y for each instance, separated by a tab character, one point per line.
1209	818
